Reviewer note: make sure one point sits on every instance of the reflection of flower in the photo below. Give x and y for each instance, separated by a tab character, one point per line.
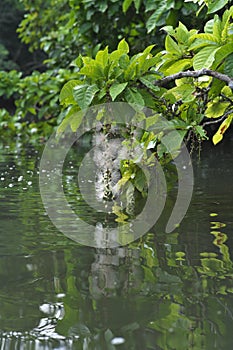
115	271
106	157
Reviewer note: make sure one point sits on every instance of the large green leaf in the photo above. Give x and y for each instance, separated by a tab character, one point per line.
133	96
171	46
216	5
222	53
178	66
148	63
152	22
102	57
203	39
123	46
66	94
93	70
216	109
84	94
130	72
116	89
73	118
204	58
217	27
228	66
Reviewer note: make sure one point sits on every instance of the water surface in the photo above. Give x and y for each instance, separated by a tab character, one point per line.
165	291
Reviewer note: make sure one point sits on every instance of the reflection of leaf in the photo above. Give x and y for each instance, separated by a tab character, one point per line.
217	224
211	266
164	277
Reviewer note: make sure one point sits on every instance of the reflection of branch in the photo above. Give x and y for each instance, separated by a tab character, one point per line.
219	119
195	74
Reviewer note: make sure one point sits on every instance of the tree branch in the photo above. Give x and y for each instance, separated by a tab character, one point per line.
195	74
223	117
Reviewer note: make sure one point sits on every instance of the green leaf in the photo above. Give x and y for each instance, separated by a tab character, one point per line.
126	5
178	66
73	118
208	28
184	92
66	94
171	46
217	27
204	58
172	141
182	33
137	4
155	17
223	127
140	180
84	94
200	132
102	57
133	96
216	109
228	66
126	176
203	39
123	46
76	120
148	63
148	49
216	5
116	89
222	53
148	81
130	71
93	70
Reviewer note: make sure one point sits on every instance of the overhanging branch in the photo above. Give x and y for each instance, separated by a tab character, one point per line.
223	117
195	74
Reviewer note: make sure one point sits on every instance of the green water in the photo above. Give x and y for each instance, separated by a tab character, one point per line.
166	291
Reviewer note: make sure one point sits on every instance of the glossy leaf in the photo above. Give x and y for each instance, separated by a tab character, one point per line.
216	109
123	46
102	57
74	117
66	94
116	89
216	5
171	46
133	96
84	94
155	17
228	65
204	58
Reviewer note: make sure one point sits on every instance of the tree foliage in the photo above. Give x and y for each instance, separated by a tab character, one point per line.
164	38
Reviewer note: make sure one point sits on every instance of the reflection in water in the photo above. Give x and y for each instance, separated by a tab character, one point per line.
165	291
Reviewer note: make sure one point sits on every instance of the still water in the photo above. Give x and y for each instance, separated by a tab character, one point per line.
164	292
